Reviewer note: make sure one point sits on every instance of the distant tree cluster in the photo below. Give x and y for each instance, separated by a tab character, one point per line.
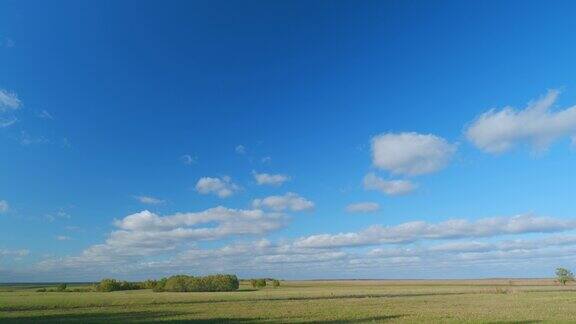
184	283
261	283
108	285
178	283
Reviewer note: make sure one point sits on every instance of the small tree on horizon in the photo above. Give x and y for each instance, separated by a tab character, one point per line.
564	275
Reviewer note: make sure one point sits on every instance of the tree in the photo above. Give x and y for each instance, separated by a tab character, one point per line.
258	283
61	287
108	285
275	283
564	275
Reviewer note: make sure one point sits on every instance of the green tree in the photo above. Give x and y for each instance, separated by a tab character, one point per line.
61	287
108	285
564	275
275	283
258	283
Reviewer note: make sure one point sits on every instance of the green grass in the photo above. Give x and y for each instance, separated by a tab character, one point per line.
494	301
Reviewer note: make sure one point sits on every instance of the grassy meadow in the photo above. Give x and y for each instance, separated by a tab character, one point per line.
447	301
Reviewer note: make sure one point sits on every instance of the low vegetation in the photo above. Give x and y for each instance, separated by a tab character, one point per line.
354	301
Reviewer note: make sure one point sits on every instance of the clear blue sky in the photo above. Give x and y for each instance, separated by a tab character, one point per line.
297	139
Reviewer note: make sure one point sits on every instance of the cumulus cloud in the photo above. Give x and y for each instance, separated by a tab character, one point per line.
497	131
148	234
149	200
222	187
411	153
270	179
363	207
450	229
4	206
389	187
289	201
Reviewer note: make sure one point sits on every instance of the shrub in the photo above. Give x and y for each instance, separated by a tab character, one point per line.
41	290
61	287
275	283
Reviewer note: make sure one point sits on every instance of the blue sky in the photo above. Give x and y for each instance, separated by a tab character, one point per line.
326	139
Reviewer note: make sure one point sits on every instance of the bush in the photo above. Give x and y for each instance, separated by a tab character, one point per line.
41	290
258	283
275	283
184	283
108	285
61	287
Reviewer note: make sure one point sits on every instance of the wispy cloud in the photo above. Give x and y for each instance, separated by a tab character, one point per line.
149	200
497	131
4	207
390	187
363	207
454	228
270	179
9	103
188	159
9	100
240	149
289	201
44	114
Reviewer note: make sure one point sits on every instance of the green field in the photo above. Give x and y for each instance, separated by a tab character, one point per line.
493	301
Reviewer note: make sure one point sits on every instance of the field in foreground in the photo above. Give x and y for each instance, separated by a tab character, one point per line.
494	301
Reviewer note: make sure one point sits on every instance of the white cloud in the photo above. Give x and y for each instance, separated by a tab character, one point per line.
289	201
411	153
222	187
497	131
13	253
363	207
270	179
146	233
188	159
240	149
63	238
149	200
454	228
4	206
389	187
9	100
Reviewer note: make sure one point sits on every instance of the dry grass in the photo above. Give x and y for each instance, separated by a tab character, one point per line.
406	301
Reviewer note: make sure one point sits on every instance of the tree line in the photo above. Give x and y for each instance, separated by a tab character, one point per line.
176	283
